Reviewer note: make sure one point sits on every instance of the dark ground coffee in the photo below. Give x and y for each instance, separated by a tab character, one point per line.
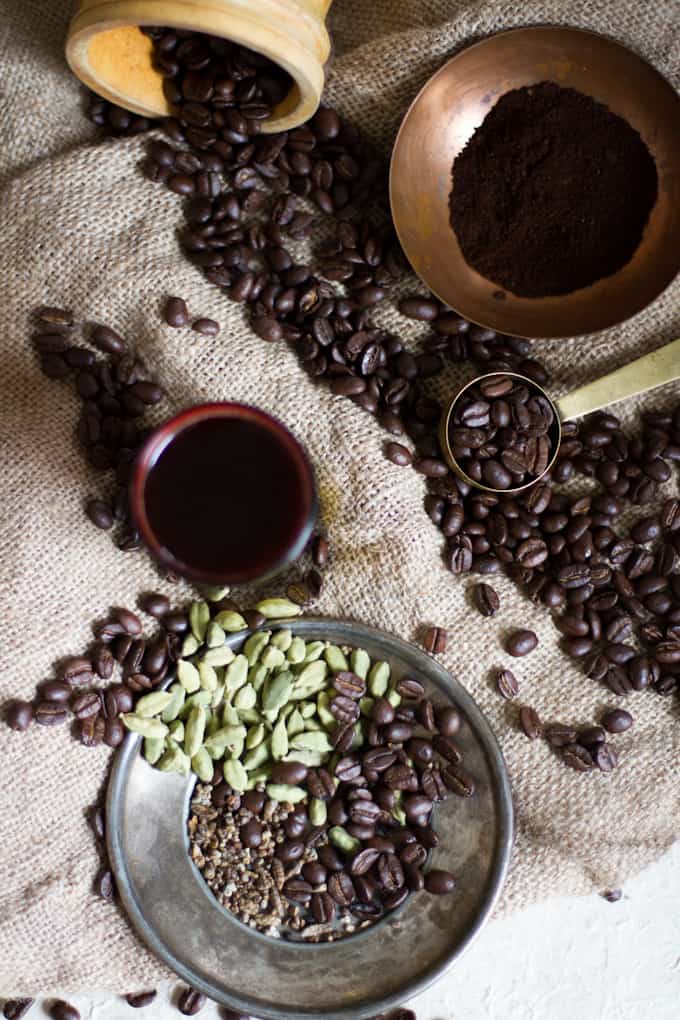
552	192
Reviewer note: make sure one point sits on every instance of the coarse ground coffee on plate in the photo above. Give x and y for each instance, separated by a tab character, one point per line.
552	192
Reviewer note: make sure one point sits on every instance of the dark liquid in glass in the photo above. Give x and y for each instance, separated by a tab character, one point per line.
227	496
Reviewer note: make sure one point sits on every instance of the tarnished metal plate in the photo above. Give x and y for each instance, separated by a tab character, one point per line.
175	913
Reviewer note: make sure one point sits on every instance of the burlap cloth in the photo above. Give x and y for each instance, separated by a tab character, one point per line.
79	225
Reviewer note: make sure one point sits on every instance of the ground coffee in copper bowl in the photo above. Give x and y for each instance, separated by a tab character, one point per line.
552	192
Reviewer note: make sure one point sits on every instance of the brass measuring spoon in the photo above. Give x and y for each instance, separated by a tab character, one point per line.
645	373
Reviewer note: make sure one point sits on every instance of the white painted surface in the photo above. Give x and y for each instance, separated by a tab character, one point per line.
563	959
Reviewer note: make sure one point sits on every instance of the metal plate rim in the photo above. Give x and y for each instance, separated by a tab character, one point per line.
503	795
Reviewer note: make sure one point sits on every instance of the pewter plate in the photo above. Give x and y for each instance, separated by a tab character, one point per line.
175	913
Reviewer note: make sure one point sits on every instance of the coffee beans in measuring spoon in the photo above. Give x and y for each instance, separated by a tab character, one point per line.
502	431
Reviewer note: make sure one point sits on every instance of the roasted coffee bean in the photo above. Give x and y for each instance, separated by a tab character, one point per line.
254	801
447	720
320	784
105	884
458	780
410	689
434	640
433	785
421	751
50	713
559	735
15	1009
19	715
207	327
344	709
347	769
486	599
61	1010
507	684
417	808
398	454
250	833
447	749
426	717
84	705
291	850
341	888
398	732
190	1001
521	642
175	311
390	872
289	772
138	1000
530	722
78	672
349	685
100	514
56	690
323	907
296	822
330	858
577	758
605	757
439	882
155	604
114	732
383	712
617	720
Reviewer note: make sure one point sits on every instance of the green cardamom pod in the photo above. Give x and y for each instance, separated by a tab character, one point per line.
336	659
250	716
194	731
141	724
188	676
230	621
357	737
189	646
202	765
296	651
311	723
213	724
341	839
361	662
314	651
272	657
279	740
176	731
255	644
208	677
235	775
215	592
174	760
245	697
174	706
153	703
286	794
276	691
312	672
366	706
218	656
295	723
257	757
310	758
214	635
153	749
325	715
278	609
394	698
236	674
282	639
378	679
201	698
199	618
307	709
255	736
318	812
230	716
257	676
315	740
218	694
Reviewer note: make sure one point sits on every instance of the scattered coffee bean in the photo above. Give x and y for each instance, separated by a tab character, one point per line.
617	720
439	882
208	327
140	999
486	599
175	312
100	514
521	642
19	715
507	684
530	722
60	1010
15	1009
434	640
190	1001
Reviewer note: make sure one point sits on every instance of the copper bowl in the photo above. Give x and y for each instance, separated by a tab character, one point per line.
451	107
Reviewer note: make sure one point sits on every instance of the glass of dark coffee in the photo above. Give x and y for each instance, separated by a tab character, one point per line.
224	494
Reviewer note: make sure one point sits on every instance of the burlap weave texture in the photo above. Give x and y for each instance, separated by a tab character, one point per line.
79	225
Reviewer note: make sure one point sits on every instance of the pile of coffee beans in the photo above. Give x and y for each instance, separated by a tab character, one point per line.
115	393
500	432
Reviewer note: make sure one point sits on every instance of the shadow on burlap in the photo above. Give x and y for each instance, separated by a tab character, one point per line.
79	225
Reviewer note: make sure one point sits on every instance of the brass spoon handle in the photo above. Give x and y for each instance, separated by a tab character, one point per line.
651	370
